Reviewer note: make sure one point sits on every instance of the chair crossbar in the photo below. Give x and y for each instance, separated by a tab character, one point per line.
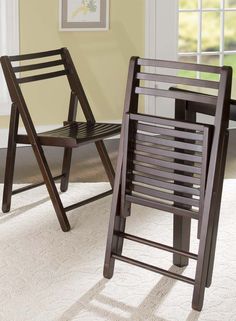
168	153
164	174
88	200
31	186
154	269
48	75
166	142
157	245
38	66
167	121
165	185
178	80
147	191
161	206
176	95
170	132
147	159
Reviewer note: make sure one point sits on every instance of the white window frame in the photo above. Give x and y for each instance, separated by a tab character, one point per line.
161	35
199	53
9	43
161	40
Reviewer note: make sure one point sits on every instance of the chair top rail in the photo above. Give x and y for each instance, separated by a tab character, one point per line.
36	55
38	66
178	80
179	65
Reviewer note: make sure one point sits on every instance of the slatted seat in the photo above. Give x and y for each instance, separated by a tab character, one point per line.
52	64
173	165
74	134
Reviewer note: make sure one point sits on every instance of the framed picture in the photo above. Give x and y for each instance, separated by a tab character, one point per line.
84	15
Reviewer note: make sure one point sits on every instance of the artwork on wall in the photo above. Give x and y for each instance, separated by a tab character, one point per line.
84	15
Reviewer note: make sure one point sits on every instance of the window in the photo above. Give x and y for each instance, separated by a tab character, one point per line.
9	44
207	33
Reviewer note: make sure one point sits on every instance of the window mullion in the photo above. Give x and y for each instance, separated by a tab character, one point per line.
222	23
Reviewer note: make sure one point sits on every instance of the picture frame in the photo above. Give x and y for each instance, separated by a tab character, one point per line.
83	15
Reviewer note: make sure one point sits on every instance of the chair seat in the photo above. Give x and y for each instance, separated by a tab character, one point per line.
74	134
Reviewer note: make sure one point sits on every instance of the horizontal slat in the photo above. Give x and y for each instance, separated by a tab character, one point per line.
168	165
160	246
168	122
164	196
165	185
170	132
31	186
201	98
42	76
168	153
38	66
178	80
179	65
163	207
153	268
167	142
88	200
36	55
168	175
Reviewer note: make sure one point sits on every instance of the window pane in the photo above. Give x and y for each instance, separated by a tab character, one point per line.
186	73
188	30
230	31
210	31
230	60
210	4
210	60
186	4
230	3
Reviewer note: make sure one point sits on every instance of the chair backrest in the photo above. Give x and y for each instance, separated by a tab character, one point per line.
57	63
166	162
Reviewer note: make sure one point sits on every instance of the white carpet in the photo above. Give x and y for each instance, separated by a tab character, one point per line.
48	275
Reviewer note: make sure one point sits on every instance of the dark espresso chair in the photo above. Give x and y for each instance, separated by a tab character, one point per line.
22	69
173	165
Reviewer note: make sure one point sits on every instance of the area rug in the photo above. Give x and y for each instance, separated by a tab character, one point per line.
48	275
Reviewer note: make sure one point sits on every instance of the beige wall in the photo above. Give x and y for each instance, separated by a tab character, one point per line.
101	57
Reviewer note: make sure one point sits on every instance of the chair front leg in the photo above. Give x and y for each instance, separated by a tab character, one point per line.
106	161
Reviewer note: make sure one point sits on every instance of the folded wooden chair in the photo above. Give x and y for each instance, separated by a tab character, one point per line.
57	63
172	165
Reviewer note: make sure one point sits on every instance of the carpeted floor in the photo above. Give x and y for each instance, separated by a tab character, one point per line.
48	275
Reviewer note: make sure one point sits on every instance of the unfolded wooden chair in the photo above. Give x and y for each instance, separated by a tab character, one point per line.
57	63
173	165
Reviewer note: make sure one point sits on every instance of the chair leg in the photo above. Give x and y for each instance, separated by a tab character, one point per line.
51	187
182	225
117	223
202	263
114	243
217	213
66	169
106	161
10	160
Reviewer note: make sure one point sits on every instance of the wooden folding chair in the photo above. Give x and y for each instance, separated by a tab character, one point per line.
72	134
172	165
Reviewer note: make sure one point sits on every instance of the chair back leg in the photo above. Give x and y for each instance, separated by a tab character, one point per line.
66	169
10	160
